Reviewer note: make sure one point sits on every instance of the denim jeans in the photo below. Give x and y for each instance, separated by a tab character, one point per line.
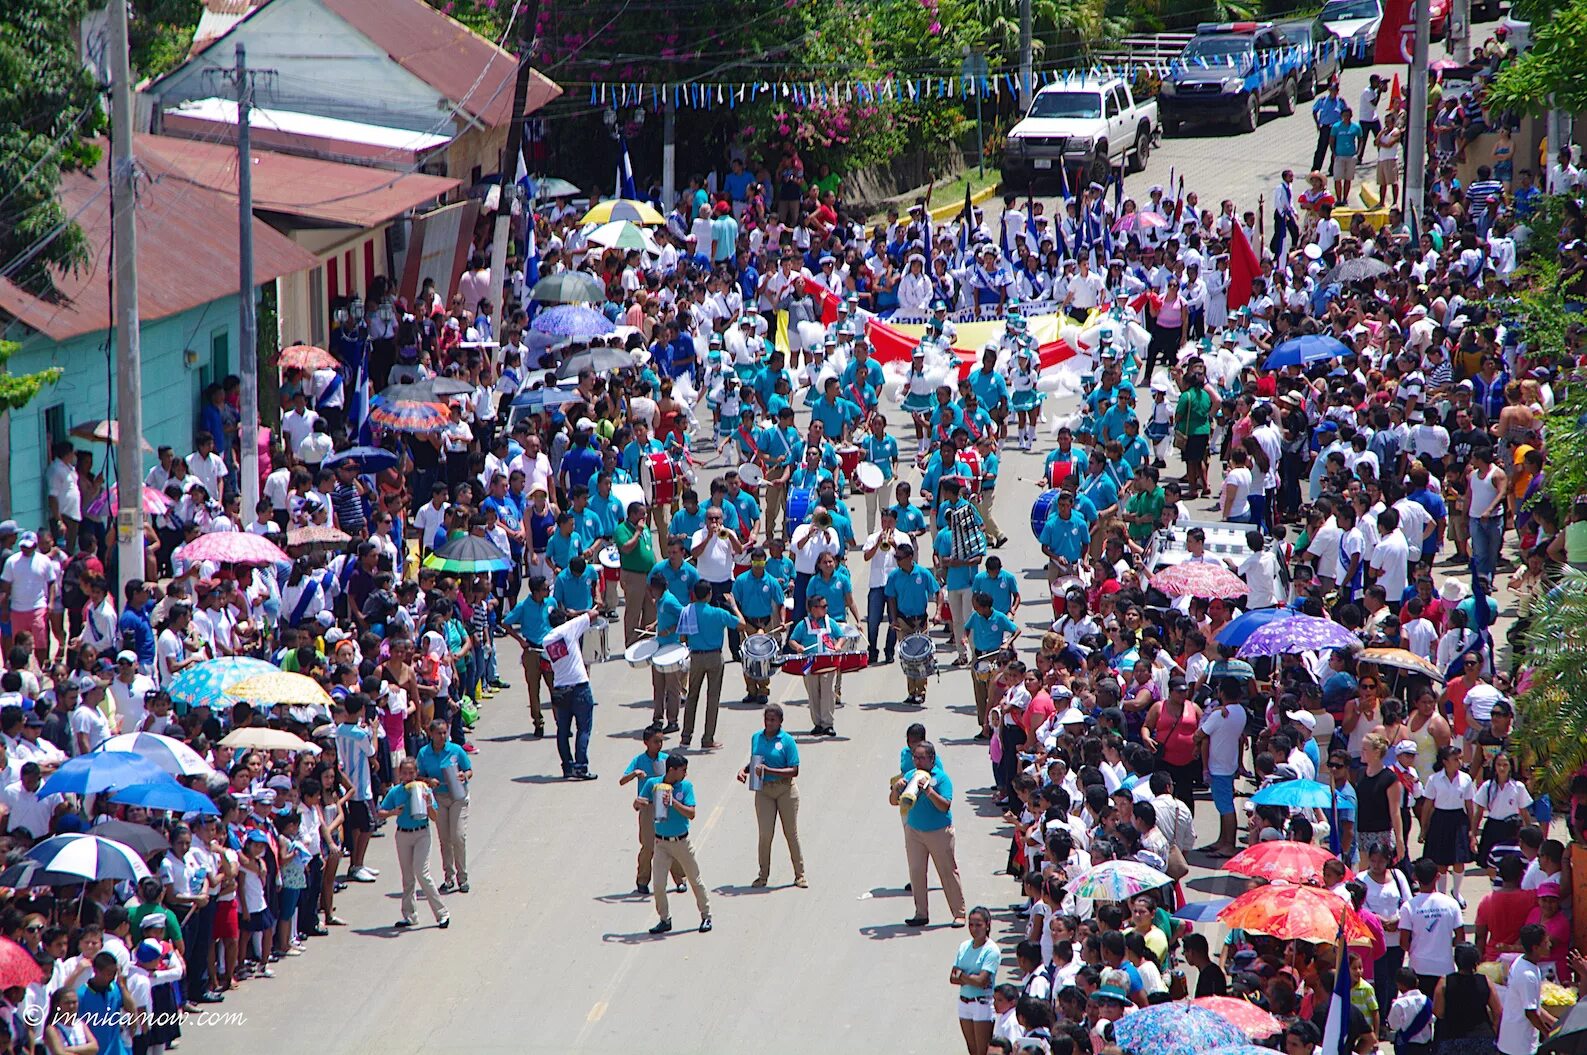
801	584
1258	514
1487	539
573	704
875	612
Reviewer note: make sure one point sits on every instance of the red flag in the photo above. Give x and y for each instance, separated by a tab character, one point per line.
1243	268
1396	34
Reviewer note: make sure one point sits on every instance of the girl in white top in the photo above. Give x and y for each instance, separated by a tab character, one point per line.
1505	802
1446	815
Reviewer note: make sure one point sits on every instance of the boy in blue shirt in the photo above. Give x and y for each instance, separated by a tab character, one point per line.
987	633
672	818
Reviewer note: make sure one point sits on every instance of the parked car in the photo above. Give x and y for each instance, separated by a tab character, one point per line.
1086	125
1228	72
1321	59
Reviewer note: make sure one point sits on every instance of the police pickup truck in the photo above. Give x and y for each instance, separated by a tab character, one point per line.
1228	72
1083	126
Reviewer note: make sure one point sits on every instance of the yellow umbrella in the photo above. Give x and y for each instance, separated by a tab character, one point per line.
639	212
294	690
264	739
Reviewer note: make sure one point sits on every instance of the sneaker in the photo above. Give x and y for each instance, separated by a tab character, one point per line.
471	749
444	922
335	921
264	972
462	888
871	657
540	732
662	927
642	888
671	727
801	882
681	887
294	951
362	875
403	924
705	925
447	887
586	775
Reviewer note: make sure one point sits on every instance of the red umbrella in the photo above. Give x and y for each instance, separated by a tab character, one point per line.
232	547
307	357
1200	579
17	966
1295	913
1243	1015
1284	861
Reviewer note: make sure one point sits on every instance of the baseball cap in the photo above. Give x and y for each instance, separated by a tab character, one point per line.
27	539
150	951
1305	718
152	920
8	527
126	655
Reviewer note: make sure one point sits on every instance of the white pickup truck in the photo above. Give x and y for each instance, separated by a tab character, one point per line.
1083	125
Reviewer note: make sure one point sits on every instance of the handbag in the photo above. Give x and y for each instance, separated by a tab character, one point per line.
1174	865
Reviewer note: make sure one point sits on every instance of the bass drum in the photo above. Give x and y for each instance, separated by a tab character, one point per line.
917	657
1046	505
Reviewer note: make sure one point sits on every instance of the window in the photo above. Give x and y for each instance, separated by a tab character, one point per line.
1113	104
317	309
54	426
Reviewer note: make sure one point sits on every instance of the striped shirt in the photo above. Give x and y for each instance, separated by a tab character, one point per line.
354	747
348	505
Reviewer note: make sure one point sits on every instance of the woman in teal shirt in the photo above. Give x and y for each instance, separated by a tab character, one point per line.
818	633
773	765
881	450
975	973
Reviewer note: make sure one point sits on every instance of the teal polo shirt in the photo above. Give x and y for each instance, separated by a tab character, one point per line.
778	752
712	624
1002	588
648	767
834	589
757	596
668	609
432	764
986	633
397	796
674	823
1067	538
531	618
913	590
924	816
960	576
680	580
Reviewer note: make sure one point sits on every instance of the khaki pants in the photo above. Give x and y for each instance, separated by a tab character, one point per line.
666	693
983	505
413	859
672	853
533	678
647	851
821	690
907	627
959	608
875	502
938	846
779	800
703	667
776	507
452	825
639	608
981	690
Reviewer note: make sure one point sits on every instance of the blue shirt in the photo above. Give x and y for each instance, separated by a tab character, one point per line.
354	747
711	625
757	597
1347	137
136	622
668	610
1002	588
984	960
674	823
959	576
686	523
589	525
561	549
680	580
880	452
924	816
834	415
835	589
913	590
911	520
531	618
778	752
1066	538
506	509
576	593
650	767
987	632
579	467
1327	110
433	763
1102	492
809	633
989	387
397	797
104	1012
745	507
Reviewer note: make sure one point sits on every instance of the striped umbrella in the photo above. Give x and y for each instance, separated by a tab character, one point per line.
468	555
89	858
408	415
204	684
622	235
639	212
171	755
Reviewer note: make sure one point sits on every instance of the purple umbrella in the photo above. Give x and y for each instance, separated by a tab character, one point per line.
1300	633
572	320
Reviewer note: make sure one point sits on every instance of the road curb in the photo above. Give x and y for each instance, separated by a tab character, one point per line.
944	212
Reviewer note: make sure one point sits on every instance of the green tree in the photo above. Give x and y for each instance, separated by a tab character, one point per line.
1553	73
49	114
160	33
17	390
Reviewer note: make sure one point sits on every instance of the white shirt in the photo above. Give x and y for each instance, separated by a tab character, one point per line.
130	700
1517	1034
1389	559
561	647
809	543
1432	920
1260	572
429	520
1240	479
715	562
1503	803
30	577
1447	794
68	495
1384	901
27	810
884	562
1224	732
91	723
168	649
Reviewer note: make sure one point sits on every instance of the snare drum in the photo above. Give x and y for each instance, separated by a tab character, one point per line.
869	476
611	566
986	666
917	657
801	500
761	653
848	459
967	470
670	659
1044	509
751	476
658	475
640	652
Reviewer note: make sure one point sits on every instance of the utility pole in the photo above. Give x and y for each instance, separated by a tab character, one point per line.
1025	48
129	364
1416	127
669	152
1460	31
508	182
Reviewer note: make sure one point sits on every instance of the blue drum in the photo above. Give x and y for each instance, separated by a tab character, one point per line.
801	500
1044	509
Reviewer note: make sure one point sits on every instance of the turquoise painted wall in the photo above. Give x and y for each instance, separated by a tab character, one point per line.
85	393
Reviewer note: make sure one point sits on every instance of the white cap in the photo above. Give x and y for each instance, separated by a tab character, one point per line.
1304	718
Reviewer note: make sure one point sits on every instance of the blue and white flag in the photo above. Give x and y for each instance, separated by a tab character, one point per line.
625	172
1336	1035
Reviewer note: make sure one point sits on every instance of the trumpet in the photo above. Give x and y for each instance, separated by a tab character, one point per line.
887	541
724	533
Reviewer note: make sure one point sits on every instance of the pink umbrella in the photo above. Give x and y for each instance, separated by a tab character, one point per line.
232	547
1200	579
1145	220
154	502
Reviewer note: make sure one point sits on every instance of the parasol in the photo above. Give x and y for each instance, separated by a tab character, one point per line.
169	796
317	535
572	320
430	390
1174	1029
568	287
1298	633
366	459
100	771
171	755
1304	350
281	686
103	432
1237	630
89	858
1295	795
1284	860
411	415
18	968
622	235
599	360
1116	881
469	555
204	684
231	547
1242	1014
1295	913
154	502
1200	579
307	357
639	212
1400	659
140	838
261	738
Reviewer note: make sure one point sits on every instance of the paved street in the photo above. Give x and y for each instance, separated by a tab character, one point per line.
549	953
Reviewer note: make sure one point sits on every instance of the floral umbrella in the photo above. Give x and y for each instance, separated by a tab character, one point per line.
280	686
1174	1029
1300	633
307	357
1245	1016
204	684
572	320
1200	579
1295	913
232	547
1116	880
18	968
411	415
1284	860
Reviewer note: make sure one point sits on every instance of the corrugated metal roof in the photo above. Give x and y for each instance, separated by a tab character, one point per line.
297	186
187	254
467	69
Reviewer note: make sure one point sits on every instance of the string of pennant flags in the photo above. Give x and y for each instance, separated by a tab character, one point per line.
703	95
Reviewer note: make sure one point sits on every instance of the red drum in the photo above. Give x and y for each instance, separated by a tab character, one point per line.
967	470
1058	472
659	475
826	663
849	459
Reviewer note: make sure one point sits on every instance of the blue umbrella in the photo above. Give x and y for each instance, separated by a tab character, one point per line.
88	857
168	796
572	320
1247	624
367	459
204	684
102	770
1305	350
1300	633
1174	1029
1296	795
1203	911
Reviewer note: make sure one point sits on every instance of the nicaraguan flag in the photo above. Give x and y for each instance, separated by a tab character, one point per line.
625	172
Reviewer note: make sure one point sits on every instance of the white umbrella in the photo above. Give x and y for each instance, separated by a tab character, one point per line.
170	754
89	858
